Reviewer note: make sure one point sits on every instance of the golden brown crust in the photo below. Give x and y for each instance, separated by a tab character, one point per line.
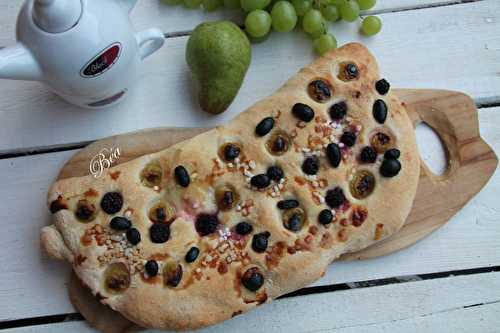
210	290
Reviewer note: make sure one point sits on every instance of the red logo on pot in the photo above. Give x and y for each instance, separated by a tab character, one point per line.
103	62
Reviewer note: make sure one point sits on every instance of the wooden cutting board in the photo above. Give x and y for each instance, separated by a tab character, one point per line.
453	115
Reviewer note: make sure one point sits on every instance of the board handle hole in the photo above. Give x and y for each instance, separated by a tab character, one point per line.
432	150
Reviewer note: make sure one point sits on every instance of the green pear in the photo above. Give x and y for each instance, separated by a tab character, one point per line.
218	54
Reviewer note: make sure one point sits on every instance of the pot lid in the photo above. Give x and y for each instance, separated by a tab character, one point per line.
56	16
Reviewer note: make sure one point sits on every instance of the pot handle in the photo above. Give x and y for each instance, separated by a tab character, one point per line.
149	41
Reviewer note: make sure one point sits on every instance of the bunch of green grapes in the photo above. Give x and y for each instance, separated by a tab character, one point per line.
285	15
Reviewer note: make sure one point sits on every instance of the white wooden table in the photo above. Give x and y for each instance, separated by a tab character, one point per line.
449	282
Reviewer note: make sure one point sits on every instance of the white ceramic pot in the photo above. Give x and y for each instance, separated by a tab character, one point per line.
86	51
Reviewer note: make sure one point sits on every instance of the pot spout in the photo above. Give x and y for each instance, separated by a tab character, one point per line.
17	63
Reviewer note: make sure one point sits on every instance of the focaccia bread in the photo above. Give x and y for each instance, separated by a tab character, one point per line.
218	224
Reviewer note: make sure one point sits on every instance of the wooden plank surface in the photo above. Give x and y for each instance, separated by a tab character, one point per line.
441	48
178	18
172	19
463	37
37	285
454	117
455	304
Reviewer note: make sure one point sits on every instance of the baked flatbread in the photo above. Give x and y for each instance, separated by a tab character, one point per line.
235	217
